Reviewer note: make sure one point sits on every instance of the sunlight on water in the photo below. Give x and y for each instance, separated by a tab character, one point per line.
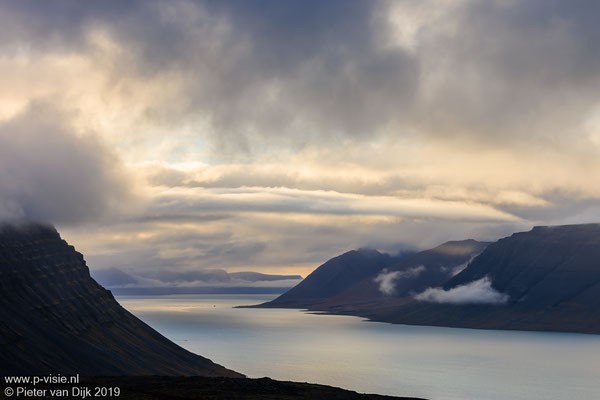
349	352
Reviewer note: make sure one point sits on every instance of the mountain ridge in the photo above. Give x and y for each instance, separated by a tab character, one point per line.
54	318
333	276
545	279
361	268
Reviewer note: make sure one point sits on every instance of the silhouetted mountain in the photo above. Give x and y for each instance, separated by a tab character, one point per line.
365	276
547	279
415	273
548	267
333	277
54	318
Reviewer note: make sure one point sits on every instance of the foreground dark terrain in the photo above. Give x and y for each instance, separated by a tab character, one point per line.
54	318
212	388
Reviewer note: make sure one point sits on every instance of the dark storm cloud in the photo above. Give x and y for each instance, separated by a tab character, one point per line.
291	71
270	73
55	25
49	173
527	70
323	66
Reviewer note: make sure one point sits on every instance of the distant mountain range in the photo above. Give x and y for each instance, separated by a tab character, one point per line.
547	279
55	319
199	281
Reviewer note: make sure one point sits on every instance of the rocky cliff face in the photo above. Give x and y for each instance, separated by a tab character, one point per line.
54	318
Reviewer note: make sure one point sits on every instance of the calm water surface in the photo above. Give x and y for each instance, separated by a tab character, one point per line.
349	352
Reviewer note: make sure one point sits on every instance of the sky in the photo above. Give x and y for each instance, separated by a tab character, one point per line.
270	136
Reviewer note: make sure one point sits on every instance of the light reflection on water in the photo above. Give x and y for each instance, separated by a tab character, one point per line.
349	352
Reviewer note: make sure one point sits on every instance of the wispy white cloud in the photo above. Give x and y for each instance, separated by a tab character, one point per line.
285	200
387	279
476	292
452	271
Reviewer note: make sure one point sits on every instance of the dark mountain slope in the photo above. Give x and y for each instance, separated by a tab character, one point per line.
54	318
368	277
544	267
551	275
415	273
333	277
547	279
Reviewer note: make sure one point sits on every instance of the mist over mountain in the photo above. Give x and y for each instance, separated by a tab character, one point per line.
368	275
415	273
547	267
547	279
54	318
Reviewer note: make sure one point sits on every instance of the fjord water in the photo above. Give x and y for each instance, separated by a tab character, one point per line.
350	352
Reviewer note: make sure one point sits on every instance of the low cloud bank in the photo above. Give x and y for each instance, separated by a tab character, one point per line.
50	172
386	279
476	292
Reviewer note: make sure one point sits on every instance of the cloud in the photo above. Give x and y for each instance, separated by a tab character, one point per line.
279	134
386	279
275	243
311	72
458	268
295	173
284	200
50	173
436	180
476	292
